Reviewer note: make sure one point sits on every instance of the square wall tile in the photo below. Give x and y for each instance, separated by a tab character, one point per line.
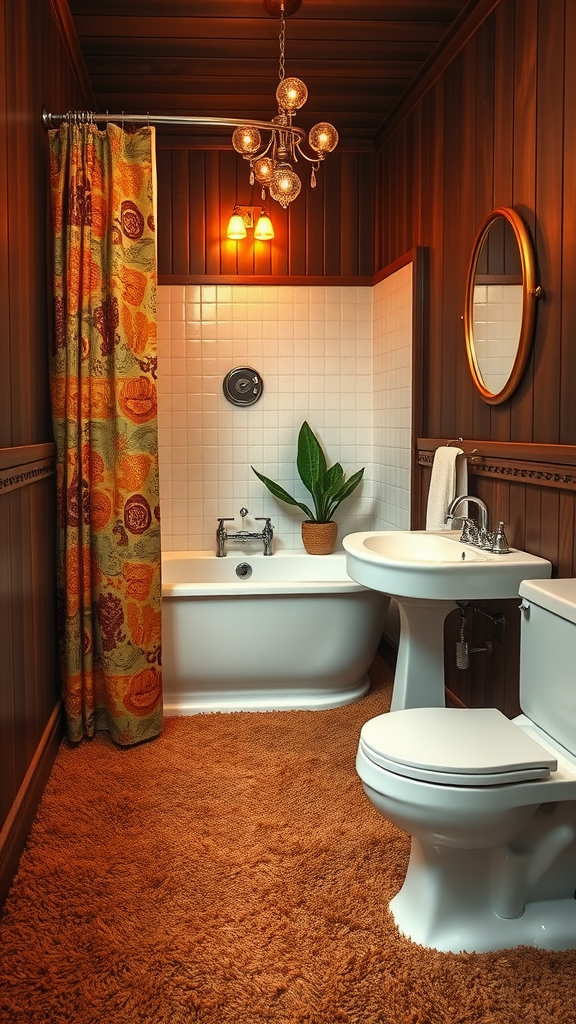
317	349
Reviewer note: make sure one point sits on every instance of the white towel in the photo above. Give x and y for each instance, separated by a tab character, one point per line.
449	478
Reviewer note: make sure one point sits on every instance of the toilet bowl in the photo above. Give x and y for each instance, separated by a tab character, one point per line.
490	804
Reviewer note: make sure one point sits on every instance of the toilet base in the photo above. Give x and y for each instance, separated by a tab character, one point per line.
462	916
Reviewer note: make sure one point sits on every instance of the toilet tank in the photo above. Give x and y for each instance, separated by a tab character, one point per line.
548	657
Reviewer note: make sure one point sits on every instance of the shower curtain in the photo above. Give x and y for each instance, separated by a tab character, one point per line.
103	386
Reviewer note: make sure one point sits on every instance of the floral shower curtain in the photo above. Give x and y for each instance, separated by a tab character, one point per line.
103	384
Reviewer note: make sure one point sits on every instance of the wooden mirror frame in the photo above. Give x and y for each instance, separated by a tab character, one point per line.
531	293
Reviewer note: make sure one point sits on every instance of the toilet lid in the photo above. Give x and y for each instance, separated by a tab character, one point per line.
455	746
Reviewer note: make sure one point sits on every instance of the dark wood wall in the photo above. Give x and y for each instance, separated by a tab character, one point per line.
328	232
36	71
496	128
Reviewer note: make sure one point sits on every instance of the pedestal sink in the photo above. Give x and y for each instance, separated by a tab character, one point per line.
427	573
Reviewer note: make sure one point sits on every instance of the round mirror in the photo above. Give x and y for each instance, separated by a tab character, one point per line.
500	308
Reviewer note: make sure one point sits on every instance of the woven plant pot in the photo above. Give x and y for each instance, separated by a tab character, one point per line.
319	538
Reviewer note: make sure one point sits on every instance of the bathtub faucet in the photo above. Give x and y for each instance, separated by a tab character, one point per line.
242	536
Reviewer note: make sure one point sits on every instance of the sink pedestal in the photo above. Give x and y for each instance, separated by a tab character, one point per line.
427	572
419	678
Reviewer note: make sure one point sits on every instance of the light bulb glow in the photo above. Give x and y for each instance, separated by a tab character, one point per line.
323	137
291	95
236	227
284	185
246	140
263	169
264	230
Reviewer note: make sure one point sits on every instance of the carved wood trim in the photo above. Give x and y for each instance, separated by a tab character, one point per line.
26	453
537	464
11	479
25	465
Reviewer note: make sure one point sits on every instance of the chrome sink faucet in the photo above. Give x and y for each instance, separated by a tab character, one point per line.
478	534
242	536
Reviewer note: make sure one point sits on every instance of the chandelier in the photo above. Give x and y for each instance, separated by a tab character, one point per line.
271	161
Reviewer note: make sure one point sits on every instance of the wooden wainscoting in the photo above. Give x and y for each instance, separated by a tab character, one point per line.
531	488
29	699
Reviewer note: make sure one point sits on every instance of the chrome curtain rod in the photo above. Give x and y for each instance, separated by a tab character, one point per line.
161	120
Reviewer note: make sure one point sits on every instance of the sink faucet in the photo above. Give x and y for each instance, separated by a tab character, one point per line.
478	535
242	536
456	502
472	533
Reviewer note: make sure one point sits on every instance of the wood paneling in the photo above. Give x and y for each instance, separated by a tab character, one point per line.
497	128
328	232
36	71
221	58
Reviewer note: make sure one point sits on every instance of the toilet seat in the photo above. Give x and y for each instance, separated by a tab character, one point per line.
455	747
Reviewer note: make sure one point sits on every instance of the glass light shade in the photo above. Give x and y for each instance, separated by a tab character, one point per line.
291	95
264	230
246	140
284	185
323	137
263	169
236	226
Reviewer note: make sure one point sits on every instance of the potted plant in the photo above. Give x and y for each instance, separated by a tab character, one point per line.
328	488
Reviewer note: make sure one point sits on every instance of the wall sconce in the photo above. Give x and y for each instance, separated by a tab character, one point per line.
243	218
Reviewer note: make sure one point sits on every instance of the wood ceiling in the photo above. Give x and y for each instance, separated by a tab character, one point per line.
220	57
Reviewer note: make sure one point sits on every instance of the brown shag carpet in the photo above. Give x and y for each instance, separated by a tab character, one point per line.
233	872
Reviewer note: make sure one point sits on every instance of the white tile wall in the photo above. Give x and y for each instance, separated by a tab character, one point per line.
392	402
497	322
313	348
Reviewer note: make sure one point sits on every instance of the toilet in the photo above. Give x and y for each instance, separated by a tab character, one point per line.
490	803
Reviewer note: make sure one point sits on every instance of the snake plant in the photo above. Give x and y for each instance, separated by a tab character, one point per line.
328	487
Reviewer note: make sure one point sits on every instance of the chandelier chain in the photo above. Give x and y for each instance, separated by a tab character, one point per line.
282	41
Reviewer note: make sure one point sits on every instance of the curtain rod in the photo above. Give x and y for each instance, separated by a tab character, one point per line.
88	117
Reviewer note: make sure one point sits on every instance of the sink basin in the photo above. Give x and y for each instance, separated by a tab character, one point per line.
427	572
437	566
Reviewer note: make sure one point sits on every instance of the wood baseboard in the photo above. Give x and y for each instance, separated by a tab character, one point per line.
15	830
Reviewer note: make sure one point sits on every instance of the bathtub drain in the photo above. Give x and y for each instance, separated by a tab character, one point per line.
244	570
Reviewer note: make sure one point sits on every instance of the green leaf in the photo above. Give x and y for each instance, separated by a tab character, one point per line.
346	489
327	486
311	463
280	493
334	478
310	460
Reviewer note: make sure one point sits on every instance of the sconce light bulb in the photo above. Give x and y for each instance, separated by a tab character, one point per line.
236	226
264	230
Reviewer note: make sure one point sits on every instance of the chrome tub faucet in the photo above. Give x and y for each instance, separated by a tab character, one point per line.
242	536
222	536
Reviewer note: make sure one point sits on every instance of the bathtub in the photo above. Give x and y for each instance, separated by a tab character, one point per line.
261	633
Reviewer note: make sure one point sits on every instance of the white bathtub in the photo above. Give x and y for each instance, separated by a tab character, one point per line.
298	633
